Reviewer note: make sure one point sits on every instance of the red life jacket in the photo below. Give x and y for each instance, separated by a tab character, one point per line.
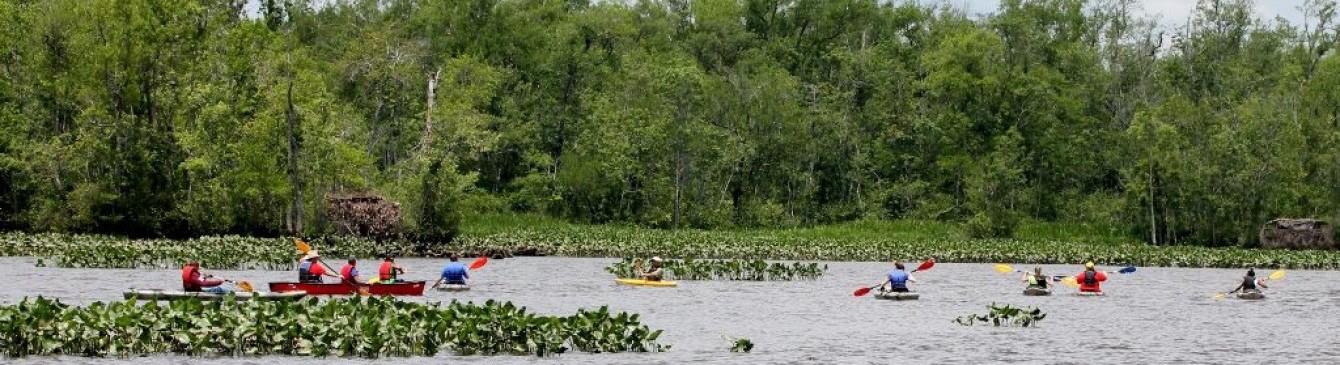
188	275
347	273
317	269
385	271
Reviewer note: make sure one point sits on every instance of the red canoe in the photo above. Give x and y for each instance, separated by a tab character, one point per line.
400	288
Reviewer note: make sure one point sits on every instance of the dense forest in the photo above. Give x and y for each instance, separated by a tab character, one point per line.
179	117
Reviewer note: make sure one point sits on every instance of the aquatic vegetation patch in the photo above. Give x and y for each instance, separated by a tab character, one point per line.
364	327
1004	316
733	269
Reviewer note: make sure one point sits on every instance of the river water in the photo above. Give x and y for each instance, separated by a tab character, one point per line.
1154	316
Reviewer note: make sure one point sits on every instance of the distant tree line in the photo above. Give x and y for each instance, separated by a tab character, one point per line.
179	117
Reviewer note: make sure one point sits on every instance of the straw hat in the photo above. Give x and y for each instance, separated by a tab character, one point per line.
656	259
311	255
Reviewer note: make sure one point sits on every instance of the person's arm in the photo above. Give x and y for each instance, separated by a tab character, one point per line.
911	279
1235	290
465	273
1262	283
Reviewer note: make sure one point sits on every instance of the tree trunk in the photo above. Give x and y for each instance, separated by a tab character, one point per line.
295	226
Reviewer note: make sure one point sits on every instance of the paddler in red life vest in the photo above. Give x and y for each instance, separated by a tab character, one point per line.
310	268
389	271
1090	281
349	273
192	280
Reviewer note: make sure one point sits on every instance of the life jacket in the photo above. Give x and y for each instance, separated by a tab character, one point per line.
1249	283
386	272
305	271
898	278
347	273
1090	278
188	275
1038	281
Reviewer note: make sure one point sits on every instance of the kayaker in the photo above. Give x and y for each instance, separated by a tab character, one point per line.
898	279
192	280
1035	279
454	273
1250	283
349	273
310	268
657	271
389	270
1090	280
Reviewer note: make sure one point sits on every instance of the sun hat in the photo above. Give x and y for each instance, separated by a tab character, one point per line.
1088	265
656	259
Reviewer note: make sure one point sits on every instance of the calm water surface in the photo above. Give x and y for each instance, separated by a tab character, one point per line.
1155	316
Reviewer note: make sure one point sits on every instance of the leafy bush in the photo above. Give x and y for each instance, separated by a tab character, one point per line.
1004	316
364	327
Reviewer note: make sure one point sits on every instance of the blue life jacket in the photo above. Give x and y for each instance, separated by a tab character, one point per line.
455	273
898	278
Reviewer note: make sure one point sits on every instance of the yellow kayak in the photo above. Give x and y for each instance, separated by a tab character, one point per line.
640	282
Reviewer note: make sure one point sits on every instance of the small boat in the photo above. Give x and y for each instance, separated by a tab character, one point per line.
1090	294
1037	292
411	288
1251	295
159	294
453	287
641	282
891	295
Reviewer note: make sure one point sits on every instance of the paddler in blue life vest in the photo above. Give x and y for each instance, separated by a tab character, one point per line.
454	273
898	279
1035	279
1250	284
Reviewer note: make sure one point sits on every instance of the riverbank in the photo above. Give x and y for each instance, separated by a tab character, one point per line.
526	235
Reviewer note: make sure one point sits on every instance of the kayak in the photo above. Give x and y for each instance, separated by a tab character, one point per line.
897	295
1251	295
1037	292
1090	294
159	294
453	287
412	288
641	282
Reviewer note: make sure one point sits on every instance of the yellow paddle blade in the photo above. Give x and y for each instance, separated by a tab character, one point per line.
1277	275
1219	296
1003	268
375	280
1070	281
245	286
302	246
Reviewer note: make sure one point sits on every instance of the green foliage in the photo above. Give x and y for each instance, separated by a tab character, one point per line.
1004	316
362	327
742	345
754	270
171	118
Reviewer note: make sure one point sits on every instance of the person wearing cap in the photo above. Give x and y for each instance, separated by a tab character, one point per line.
898	279
1035	279
454	273
1090	280
192	280
1250	283
349	273
388	272
310	268
657	271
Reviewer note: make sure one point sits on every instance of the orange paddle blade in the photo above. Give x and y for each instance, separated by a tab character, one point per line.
926	265
302	246
862	291
245	286
483	260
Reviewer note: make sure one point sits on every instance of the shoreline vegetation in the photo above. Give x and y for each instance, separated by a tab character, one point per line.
525	235
351	327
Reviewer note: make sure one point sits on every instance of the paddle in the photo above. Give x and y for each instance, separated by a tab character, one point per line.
1277	275
244	286
926	265
479	263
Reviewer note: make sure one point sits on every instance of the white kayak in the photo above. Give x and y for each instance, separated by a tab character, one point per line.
1251	295
888	295
1037	292
159	294
454	287
1090	294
